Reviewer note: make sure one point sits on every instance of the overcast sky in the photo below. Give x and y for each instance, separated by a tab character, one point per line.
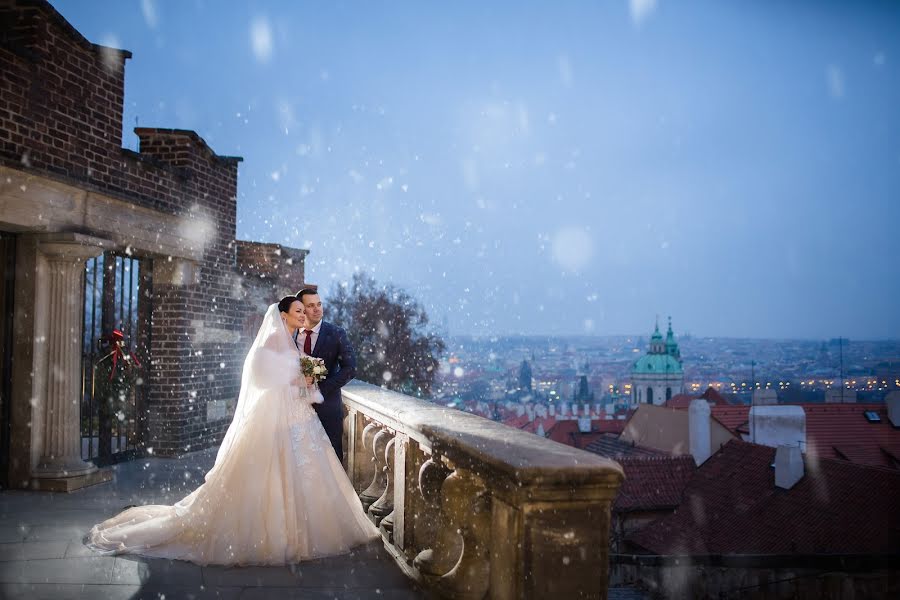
553	167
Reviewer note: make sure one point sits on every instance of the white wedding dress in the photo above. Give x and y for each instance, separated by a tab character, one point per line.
277	493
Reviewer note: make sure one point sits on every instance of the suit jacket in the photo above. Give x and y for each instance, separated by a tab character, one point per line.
334	348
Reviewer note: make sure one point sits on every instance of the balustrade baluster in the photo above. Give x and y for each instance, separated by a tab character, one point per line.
364	457
379	482
385	503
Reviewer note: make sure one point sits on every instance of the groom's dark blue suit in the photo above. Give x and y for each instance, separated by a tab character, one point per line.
333	347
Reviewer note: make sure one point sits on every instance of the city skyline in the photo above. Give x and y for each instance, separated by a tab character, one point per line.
557	170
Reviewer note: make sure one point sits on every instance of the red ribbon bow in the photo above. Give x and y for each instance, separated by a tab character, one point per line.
117	341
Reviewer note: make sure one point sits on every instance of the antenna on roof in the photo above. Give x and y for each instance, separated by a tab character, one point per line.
752	378
841	349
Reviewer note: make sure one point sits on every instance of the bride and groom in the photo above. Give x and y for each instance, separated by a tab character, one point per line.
277	493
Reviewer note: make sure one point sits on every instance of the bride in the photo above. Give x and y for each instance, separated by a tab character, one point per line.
277	493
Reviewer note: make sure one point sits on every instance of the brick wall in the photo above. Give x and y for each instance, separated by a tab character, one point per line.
61	106
58	92
269	272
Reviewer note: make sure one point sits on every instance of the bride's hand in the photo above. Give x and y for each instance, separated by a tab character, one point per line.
317	397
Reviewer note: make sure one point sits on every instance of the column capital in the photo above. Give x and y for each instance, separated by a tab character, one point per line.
71	246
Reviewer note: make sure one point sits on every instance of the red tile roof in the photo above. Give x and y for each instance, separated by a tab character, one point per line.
609	445
582	440
731	505
546	422
842	431
680	401
517	422
734	417
714	397
834	431
653	482
684	400
566	432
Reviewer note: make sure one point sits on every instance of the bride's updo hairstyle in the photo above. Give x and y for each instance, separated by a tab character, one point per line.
284	305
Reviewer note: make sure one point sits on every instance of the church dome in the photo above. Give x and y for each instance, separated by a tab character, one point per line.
664	357
657	364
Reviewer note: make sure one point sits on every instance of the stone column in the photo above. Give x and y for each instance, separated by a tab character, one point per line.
60	467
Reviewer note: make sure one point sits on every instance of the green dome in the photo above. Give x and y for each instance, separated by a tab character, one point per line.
657	364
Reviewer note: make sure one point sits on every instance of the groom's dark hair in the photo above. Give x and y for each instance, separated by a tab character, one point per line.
307	292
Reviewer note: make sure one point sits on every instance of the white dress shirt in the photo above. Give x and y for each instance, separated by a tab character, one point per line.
300	340
313	338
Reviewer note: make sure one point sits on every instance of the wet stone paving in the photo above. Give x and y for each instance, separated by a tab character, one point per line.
42	554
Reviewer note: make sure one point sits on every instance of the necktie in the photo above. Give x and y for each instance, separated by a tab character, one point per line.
307	343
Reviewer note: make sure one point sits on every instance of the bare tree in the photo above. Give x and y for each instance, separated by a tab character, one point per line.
389	332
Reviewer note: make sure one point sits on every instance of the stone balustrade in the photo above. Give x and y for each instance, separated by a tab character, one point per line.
471	508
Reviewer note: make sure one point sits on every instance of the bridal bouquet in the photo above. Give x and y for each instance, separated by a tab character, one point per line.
313	367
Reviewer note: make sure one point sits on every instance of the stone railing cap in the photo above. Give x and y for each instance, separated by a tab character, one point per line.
523	457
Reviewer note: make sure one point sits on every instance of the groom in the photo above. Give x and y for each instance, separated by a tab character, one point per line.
328	342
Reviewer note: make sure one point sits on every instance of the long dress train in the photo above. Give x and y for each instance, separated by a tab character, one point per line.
277	493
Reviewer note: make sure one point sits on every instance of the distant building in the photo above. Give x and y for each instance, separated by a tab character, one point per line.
659	374
525	376
669	430
584	393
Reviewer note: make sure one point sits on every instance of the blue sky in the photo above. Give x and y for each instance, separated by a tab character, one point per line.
558	168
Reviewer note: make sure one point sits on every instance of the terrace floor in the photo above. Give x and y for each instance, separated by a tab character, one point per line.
42	554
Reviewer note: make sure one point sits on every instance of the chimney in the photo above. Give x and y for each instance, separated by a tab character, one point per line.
699	430
892	401
584	424
788	466
540	410
780	425
520	410
540	430
529	411
764	397
551	410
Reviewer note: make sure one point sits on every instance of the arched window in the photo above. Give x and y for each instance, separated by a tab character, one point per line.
649	395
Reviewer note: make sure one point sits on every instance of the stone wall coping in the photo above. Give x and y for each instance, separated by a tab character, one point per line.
140	160
142	132
274	249
75	238
55	206
51	13
519	456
